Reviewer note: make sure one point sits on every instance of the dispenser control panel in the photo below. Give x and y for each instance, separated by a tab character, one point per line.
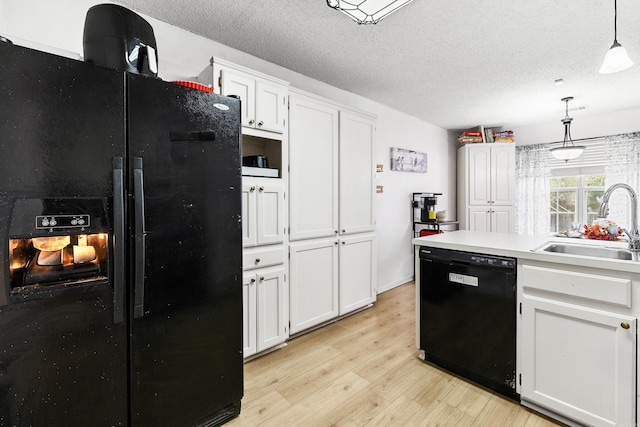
62	221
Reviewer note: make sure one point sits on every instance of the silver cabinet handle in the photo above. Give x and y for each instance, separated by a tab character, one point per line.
260	123
261	188
253	188
253	280
257	260
251	122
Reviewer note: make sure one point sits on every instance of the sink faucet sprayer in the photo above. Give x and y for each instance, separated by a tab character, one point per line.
634	237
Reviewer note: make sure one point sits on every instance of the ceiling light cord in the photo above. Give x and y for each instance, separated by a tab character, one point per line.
567	122
615	24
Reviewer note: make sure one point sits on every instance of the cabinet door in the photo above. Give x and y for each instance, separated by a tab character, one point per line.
503	159
249	221
357	265
270	308
479	218
244	86
313	283
313	175
269	213
356	174
502	219
271	107
579	362
479	183
249	314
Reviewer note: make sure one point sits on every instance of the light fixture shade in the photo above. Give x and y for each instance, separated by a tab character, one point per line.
567	152
616	60
367	11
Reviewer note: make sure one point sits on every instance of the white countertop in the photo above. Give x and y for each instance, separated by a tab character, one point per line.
522	247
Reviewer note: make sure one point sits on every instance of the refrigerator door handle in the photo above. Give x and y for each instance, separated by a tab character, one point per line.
118	240
140	237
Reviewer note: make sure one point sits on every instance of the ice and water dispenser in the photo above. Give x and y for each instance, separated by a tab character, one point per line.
57	242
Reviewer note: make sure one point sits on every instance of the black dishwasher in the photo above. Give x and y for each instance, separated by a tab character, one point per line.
468	316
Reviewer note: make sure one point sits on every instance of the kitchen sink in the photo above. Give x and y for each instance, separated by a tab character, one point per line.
588	250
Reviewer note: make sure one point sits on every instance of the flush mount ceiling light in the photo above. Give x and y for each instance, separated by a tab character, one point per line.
616	58
569	150
367	11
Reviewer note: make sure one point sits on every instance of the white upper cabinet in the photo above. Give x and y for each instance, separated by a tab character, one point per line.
271	106
486	187
244	87
503	182
263	97
264	104
479	178
356	173
491	174
313	172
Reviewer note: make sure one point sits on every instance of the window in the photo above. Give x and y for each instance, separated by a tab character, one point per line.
575	200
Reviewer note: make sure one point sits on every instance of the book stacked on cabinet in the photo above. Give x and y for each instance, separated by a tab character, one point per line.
493	135
481	135
470	137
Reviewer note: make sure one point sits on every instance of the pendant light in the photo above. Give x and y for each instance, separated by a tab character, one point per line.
367	11
569	150
616	58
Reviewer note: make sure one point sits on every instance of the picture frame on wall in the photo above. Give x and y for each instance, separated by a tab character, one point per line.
408	160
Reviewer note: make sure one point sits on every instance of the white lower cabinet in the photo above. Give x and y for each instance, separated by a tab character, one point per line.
263	294
357	278
497	219
578	345
330	278
313	283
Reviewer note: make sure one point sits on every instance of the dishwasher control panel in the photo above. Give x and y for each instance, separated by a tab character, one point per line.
493	261
449	255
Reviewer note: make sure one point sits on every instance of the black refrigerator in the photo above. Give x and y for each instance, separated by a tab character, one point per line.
120	272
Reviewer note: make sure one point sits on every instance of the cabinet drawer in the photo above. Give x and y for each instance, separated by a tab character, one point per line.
612	290
262	257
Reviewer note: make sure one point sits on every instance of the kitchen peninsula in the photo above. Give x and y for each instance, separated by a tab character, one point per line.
577	302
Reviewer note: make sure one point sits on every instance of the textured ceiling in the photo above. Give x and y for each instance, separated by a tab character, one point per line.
455	64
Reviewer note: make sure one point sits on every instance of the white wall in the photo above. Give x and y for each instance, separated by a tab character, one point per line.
58	26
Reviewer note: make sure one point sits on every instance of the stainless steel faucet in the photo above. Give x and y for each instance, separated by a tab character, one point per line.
634	237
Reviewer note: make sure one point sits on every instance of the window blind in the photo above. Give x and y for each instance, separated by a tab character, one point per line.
591	161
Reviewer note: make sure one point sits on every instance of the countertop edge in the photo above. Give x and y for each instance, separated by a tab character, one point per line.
522	247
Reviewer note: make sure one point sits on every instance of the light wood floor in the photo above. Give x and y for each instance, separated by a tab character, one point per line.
364	371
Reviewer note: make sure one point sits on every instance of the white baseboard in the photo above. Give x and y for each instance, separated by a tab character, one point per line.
395	284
